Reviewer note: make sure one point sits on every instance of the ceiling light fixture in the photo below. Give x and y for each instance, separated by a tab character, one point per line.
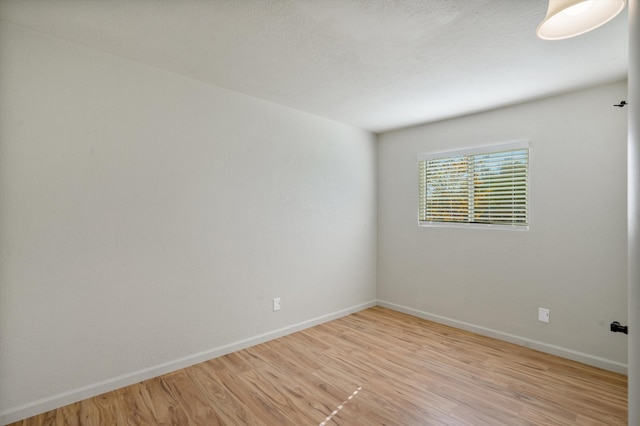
569	18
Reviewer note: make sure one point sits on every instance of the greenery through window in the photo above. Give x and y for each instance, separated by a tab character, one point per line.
486	187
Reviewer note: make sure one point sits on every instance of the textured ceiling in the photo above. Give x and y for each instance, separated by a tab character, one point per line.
374	64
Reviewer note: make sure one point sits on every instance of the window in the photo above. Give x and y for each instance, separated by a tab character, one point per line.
486	187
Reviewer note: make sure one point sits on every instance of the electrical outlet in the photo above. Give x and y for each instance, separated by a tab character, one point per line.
543	315
276	304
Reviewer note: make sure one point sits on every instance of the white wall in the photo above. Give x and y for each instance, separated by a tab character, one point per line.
147	220
573	259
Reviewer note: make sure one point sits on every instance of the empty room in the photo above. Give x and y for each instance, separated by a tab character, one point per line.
319	212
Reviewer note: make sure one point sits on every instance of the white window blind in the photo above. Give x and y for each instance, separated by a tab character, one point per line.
487	186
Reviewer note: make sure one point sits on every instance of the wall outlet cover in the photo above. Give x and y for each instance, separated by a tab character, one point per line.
543	314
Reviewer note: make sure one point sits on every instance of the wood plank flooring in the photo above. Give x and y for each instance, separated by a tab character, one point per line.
375	367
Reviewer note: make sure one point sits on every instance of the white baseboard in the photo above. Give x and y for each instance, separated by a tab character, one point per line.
582	357
75	395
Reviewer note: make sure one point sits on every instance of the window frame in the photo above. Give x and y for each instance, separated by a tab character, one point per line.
510	146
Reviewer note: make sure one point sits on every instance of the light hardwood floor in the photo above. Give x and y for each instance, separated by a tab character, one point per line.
375	367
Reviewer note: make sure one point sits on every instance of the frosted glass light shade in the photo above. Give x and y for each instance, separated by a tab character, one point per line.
569	18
